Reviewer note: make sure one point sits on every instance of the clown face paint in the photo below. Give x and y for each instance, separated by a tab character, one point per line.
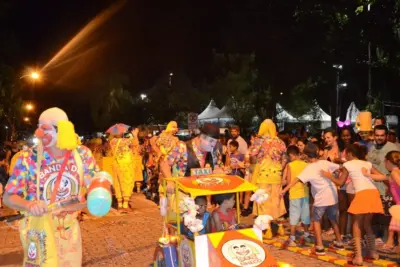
49	134
207	143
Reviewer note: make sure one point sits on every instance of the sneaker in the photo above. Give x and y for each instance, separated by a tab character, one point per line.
337	245
290	243
320	251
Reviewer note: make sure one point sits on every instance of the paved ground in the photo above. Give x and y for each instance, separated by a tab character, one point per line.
122	240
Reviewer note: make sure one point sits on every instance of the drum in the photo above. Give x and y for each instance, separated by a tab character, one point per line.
99	197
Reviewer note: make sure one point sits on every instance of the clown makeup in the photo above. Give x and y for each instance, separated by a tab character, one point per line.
207	143
49	137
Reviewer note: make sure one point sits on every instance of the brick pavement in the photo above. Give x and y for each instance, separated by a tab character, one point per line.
122	240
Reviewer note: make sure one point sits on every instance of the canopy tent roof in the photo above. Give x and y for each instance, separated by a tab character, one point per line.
316	113
352	112
283	115
392	119
224	114
210	112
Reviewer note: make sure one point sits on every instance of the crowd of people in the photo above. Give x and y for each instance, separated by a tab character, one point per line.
334	182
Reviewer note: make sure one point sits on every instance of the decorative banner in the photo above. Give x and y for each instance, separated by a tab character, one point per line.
200	171
192	121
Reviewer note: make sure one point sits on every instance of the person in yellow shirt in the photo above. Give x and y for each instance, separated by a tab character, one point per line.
299	208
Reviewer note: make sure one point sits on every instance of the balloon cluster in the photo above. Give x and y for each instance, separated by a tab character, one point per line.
189	212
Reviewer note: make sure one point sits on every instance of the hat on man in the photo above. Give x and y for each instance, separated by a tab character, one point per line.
210	130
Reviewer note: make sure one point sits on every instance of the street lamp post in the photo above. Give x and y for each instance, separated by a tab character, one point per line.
170	78
338	87
6	132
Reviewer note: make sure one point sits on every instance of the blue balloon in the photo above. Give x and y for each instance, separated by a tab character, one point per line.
99	202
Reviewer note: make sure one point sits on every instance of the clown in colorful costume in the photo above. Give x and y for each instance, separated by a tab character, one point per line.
269	151
63	165
167	140
137	159
123	169
195	153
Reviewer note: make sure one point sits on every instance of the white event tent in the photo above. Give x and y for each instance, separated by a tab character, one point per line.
209	114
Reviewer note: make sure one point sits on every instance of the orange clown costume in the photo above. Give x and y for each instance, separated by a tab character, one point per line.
56	172
123	169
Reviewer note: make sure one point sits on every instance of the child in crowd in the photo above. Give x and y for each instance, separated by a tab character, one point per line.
366	201
301	144
236	159
224	217
203	215
324	193
392	164
298	195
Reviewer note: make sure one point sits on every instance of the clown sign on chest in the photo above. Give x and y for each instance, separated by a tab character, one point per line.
69	185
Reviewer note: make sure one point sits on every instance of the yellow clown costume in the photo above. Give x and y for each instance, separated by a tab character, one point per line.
52	239
137	160
123	170
269	151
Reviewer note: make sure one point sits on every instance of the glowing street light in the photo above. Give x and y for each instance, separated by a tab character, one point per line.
338	67
26	119
35	75
171	74
29	107
143	96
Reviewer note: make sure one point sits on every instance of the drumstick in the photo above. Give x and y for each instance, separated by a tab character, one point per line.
53	207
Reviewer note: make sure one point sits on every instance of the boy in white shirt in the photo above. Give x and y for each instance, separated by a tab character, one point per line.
324	193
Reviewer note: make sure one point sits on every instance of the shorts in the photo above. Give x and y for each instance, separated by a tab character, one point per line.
299	210
318	212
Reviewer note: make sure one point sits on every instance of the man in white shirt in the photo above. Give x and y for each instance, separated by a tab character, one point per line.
235	133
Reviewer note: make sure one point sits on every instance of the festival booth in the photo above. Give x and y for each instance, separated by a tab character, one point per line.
213	114
282	117
209	114
239	247
223	117
316	114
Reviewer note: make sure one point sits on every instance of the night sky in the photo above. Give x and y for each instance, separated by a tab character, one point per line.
146	40
143	40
